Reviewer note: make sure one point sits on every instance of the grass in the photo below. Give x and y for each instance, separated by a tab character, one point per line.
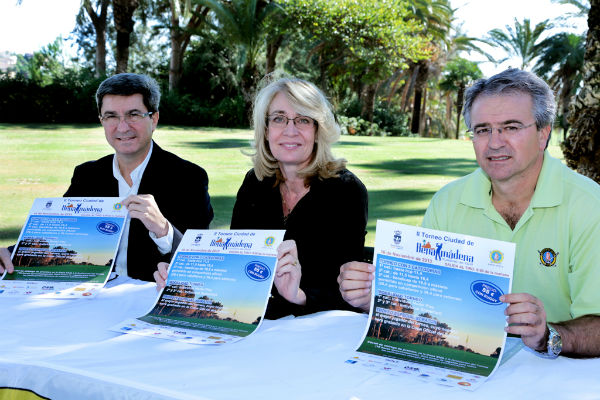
235	328
401	174
437	356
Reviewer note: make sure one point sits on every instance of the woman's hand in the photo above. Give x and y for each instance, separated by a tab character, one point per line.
160	275
288	273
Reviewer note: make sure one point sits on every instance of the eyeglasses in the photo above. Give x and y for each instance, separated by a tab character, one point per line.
280	121
112	120
508	130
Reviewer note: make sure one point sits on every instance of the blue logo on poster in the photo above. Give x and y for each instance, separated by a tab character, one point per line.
486	292
257	271
108	228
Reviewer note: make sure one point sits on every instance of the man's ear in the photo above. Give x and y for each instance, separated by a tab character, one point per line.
155	117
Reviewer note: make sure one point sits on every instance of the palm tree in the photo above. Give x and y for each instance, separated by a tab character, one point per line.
560	63
582	146
123	17
99	22
458	74
242	23
520	40
436	18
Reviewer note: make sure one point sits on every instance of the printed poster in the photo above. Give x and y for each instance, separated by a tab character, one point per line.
66	248
217	289
435	309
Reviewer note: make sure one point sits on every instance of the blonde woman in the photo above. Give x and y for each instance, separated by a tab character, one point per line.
297	185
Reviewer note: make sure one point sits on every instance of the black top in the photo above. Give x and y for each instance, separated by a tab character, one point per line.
179	187
328	225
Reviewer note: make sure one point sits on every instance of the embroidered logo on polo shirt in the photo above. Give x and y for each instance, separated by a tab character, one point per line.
548	257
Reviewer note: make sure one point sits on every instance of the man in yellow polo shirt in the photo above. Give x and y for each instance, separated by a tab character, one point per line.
523	195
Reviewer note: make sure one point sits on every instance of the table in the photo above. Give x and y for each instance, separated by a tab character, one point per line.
62	349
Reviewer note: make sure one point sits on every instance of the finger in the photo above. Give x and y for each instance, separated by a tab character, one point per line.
128	200
5	261
287	247
163	269
519	298
530	319
357	266
523	330
520	308
354	294
353	285
357	276
287	269
160	282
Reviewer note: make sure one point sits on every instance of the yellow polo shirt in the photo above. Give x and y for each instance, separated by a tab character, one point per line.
557	239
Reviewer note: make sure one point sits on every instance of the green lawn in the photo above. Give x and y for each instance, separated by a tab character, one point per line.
438	356
207	324
401	174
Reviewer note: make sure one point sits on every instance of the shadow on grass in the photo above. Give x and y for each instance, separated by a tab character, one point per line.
10	234
223	208
200	129
387	203
45	126
217	144
343	143
424	166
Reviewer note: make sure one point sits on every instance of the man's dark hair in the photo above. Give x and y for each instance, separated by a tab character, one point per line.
127	84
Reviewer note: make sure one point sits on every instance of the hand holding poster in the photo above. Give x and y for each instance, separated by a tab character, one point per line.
435	306
217	289
66	248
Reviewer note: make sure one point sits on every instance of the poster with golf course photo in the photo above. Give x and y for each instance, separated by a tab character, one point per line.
66	248
435	310
217	289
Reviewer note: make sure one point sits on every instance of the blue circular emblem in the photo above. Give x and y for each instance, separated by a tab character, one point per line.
269	241
496	256
107	228
486	292
118	206
548	257
257	271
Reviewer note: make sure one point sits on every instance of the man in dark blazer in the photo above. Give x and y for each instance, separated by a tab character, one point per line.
164	194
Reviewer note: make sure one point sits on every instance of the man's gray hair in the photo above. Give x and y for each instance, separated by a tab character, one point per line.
510	82
128	84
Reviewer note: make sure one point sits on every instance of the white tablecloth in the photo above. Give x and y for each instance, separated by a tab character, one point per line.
62	349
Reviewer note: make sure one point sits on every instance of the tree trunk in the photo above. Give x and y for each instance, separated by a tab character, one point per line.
409	88
448	121
423	116
180	39
368	101
582	146
420	83
99	22
123	17
272	49
459	105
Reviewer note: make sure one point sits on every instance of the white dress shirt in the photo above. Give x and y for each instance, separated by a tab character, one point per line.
165	243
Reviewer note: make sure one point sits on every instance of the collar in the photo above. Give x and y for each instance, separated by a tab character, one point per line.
136	174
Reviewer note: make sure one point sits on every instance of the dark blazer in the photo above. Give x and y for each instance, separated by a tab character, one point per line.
179	187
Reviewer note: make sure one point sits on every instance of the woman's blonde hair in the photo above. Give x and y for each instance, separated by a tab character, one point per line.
307	100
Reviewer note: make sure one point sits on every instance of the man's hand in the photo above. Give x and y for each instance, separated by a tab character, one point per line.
160	275
5	261
289	272
355	281
144	208
526	317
